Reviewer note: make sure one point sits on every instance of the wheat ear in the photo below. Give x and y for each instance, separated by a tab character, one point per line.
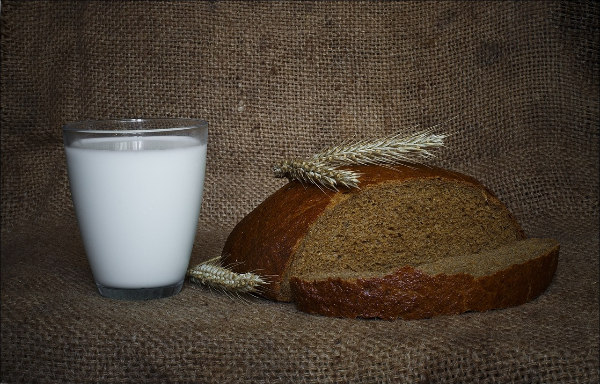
393	149
317	173
321	169
212	274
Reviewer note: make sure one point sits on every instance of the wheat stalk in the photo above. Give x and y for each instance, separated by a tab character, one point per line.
212	274
321	169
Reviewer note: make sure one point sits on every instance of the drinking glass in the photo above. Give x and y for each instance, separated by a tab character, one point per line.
136	186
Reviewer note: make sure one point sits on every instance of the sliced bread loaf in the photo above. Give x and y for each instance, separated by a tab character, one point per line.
401	219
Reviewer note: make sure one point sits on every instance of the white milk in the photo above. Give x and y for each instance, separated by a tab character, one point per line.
137	206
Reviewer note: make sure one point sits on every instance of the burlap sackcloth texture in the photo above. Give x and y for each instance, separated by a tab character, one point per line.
516	83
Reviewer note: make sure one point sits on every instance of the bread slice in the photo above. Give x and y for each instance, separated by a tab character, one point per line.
401	218
504	277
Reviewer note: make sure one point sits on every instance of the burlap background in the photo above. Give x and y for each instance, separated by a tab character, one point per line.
279	79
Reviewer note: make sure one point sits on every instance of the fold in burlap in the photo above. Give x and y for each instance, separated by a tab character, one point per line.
277	79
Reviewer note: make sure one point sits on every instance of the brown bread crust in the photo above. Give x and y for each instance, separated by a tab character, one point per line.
266	239
412	294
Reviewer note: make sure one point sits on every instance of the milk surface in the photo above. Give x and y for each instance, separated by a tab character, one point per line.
137	202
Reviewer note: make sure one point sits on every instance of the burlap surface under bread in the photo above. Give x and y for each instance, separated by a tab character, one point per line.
278	79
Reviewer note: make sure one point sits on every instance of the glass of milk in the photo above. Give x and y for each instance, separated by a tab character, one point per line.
137	187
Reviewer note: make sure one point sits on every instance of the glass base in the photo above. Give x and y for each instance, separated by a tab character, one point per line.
140	293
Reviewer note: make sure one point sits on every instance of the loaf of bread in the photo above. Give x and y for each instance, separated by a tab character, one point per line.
412	242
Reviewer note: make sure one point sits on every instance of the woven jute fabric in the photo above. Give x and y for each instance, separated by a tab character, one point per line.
515	83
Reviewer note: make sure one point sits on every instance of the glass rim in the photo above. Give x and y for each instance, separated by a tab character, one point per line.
83	126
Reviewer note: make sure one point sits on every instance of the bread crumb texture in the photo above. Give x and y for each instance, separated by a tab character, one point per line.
414	223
